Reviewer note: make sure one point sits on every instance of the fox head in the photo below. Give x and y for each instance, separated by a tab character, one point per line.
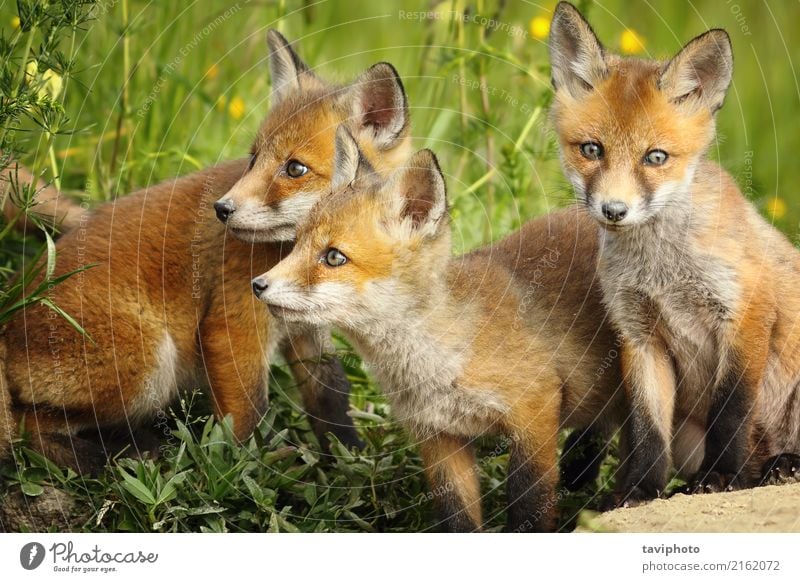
633	131
290	160
369	252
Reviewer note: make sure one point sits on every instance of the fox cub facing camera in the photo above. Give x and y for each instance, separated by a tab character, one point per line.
702	289
498	341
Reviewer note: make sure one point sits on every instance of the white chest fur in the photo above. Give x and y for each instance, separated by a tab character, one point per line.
420	377
661	283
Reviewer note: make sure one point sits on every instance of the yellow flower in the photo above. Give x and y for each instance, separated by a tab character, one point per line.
212	72
31	69
630	42
236	108
776	208
15	22
222	103
540	27
53	83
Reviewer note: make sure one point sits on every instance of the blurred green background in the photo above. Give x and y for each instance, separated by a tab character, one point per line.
164	88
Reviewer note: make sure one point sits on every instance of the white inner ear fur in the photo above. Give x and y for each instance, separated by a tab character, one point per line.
575	53
403	227
284	66
381	90
345	160
701	71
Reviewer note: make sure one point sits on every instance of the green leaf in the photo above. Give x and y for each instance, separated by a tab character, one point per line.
31	489
136	488
51	256
70	320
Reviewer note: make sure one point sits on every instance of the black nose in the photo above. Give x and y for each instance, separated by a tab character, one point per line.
615	210
224	209
259	285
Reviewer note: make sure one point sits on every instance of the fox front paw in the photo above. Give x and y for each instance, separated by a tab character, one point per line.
781	468
711	482
632	498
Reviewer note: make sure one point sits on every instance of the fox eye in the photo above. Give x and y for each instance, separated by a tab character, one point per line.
334	258
655	157
295	169
252	162
591	150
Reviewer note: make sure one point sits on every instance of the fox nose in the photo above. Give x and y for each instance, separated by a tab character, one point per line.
224	209
615	210
260	285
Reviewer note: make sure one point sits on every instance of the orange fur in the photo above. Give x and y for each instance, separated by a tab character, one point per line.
510	338
167	303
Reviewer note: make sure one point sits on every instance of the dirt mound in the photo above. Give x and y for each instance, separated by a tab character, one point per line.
764	509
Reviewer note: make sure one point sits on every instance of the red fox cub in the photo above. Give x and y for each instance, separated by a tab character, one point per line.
702	290
502	340
168	303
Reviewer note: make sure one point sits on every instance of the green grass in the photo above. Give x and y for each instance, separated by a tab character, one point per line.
157	92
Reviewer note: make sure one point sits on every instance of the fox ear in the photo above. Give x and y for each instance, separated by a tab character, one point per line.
701	72
286	68
576	56
421	186
348	162
379	106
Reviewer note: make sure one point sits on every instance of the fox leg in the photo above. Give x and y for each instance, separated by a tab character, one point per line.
731	417
7	424
533	466
453	481
234	355
650	380
584	451
54	435
780	469
323	385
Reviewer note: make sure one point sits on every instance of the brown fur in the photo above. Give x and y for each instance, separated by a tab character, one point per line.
168	303
510	338
703	290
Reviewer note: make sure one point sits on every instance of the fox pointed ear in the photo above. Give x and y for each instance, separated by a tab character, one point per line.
422	189
286	68
577	58
378	105
348	162
701	72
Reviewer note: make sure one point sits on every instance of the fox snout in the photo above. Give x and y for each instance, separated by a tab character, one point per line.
224	208
260	284
614	210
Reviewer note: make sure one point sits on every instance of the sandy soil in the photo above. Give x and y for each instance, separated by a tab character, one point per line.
764	509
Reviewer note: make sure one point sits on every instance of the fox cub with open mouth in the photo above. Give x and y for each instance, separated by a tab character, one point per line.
703	291
498	341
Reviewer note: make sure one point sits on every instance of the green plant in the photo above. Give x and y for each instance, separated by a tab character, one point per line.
34	76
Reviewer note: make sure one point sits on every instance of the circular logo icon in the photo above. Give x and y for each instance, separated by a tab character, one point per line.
31	555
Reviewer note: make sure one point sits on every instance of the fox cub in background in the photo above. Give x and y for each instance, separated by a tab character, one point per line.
495	341
168	303
702	289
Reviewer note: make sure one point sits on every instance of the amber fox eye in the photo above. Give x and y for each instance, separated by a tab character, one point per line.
295	169
656	158
334	258
591	150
